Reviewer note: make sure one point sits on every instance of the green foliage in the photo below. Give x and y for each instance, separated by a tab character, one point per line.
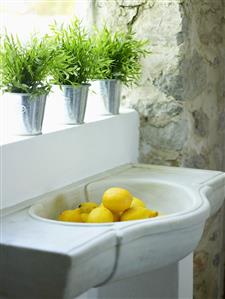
71	57
25	68
81	60
124	51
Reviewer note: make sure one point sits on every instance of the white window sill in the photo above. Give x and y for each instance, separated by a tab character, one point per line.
52	123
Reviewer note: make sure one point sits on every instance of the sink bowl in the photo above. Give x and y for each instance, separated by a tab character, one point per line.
166	198
87	255
143	245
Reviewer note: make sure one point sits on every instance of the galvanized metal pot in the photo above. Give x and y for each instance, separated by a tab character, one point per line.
27	113
110	90
75	101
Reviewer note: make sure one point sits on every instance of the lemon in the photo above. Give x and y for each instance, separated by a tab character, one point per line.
87	207
70	216
152	213
116	217
137	202
84	217
99	215
117	199
135	214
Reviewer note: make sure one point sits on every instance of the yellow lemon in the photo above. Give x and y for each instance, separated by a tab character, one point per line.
87	207
137	202
84	217
117	199
99	215
70	216
135	214
116	217
152	213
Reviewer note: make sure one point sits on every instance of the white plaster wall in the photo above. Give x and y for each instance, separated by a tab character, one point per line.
36	165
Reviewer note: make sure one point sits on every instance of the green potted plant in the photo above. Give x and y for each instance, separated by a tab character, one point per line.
81	64
24	74
124	52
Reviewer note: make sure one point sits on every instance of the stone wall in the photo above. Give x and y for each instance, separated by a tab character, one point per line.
204	95
204	88
180	98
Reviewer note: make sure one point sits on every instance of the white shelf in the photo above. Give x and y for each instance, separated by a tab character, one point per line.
53	114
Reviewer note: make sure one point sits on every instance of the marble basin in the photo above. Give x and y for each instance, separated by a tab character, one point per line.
166	198
73	257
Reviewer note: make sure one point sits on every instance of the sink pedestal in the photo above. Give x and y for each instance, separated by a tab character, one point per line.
173	281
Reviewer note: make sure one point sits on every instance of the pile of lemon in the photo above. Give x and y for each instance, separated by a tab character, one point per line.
118	204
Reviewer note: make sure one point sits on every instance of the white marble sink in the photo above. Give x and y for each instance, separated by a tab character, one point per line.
62	260
167	198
